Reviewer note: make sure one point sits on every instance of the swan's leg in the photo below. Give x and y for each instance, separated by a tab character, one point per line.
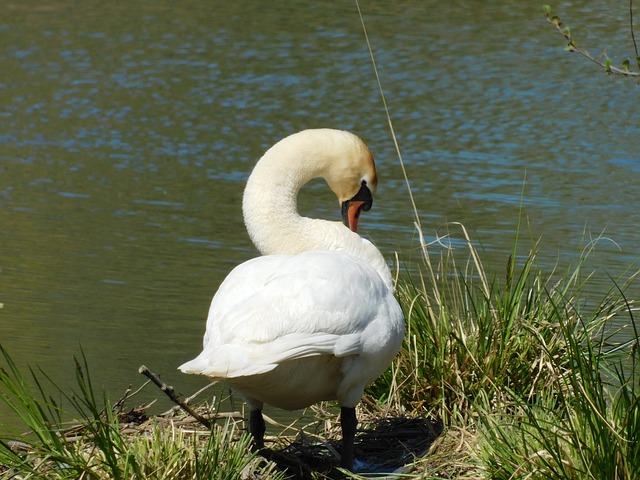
348	422
257	428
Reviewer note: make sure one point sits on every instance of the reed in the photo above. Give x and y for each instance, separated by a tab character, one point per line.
527	361
86	439
585	426
469	335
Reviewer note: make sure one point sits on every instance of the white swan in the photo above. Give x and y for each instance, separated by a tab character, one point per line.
314	318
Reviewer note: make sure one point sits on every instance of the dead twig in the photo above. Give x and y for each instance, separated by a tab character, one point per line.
170	392
189	399
117	407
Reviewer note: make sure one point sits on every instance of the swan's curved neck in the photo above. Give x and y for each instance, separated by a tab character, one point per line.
270	199
270	203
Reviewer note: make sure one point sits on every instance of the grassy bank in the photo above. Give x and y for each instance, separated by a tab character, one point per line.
509	375
525	363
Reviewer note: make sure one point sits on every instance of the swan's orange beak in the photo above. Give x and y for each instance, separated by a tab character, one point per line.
351	208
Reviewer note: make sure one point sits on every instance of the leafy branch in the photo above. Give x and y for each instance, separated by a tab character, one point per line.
603	60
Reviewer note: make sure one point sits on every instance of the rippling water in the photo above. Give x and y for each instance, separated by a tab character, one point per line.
128	131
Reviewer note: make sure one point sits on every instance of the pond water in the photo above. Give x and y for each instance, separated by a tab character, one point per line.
128	130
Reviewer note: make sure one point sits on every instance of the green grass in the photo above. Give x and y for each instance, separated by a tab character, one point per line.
527	362
97	447
584	426
521	367
467	335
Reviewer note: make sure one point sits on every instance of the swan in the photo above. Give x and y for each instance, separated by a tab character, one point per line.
314	318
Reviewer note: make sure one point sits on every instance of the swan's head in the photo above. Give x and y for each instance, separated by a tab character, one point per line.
269	202
351	174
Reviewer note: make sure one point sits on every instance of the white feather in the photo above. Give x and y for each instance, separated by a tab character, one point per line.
319	320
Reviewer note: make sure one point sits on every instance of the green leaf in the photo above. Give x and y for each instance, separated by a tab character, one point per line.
625	65
546	9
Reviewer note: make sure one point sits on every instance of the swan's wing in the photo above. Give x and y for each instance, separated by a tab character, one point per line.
277	308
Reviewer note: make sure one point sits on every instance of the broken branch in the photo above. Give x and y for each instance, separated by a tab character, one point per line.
170	392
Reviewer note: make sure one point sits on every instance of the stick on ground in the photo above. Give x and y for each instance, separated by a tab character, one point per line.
170	392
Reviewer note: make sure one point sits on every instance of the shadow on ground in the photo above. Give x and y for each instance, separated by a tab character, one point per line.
387	446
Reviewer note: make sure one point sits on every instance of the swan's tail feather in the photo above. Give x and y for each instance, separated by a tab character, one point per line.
241	360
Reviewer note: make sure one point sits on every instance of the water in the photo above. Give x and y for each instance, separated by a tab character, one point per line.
128	130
